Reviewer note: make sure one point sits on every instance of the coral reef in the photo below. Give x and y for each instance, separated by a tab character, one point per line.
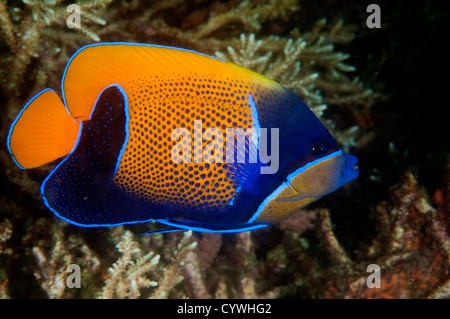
52	271
23	27
5	235
412	250
126	276
302	256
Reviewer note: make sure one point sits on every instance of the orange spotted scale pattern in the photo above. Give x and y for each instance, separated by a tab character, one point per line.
162	103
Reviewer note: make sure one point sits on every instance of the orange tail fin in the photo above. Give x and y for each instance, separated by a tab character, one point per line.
42	132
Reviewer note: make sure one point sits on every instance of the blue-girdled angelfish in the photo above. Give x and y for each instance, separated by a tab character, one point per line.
152	132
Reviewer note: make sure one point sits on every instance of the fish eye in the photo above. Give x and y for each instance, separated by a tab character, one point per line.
318	150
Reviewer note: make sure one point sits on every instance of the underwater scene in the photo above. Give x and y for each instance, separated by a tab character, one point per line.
224	149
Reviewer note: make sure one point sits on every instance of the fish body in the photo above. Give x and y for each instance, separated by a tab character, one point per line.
160	133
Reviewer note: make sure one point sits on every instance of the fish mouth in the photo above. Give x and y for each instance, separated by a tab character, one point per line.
351	170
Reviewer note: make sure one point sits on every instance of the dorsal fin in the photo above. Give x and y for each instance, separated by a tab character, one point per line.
96	66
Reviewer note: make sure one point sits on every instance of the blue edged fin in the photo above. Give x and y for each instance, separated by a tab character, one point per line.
164	230
184	224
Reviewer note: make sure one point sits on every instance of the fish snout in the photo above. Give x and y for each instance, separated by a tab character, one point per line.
351	169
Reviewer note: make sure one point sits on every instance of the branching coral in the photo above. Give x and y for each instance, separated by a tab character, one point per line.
50	275
202	26
249	15
126	276
23	37
52	271
132	273
412	250
239	282
5	235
